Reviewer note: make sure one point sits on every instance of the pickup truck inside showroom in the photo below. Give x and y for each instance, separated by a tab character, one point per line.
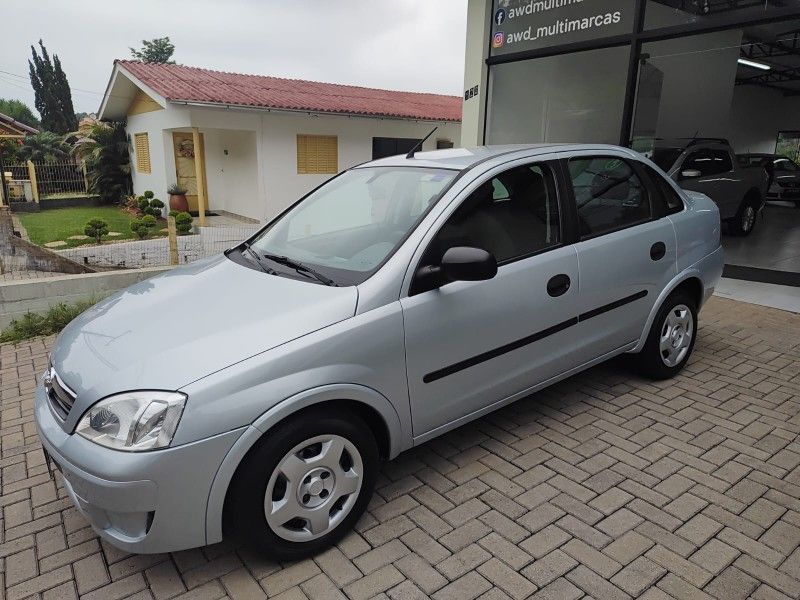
709	166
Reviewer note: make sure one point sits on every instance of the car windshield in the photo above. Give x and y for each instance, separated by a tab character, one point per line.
347	228
666	157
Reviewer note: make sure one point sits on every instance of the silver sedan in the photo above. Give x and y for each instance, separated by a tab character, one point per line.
253	394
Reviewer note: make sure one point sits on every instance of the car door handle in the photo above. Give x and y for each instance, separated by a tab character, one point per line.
658	250
558	285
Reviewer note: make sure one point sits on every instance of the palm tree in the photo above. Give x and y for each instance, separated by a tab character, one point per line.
44	147
105	149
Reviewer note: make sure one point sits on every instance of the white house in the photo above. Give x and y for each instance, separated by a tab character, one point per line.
259	143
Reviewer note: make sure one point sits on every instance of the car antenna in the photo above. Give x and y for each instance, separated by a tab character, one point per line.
418	145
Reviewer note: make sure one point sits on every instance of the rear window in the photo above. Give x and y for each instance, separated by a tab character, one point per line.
666	157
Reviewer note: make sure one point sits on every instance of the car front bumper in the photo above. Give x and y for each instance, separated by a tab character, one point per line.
143	502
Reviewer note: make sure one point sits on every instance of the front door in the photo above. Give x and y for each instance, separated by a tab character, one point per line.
627	252
470	345
185	173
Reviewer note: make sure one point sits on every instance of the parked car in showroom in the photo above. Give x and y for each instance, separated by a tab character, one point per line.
709	166
783	175
399	300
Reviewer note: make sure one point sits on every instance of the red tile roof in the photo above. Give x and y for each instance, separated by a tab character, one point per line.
10	126
191	84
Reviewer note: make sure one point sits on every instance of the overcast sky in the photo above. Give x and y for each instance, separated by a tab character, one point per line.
415	45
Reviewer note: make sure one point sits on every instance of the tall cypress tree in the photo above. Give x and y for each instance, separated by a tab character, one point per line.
53	98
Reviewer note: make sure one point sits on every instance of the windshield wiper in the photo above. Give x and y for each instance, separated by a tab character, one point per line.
259	261
301	268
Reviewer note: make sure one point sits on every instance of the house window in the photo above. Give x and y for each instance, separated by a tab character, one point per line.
317	154
141	146
387	146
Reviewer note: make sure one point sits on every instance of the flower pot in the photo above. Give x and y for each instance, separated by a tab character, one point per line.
178	202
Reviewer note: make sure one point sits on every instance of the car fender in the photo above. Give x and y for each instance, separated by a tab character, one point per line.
399	439
688	273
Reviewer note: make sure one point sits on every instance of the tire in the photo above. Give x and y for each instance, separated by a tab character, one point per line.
745	220
319	469
665	353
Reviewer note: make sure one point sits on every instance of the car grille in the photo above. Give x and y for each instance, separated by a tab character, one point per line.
61	398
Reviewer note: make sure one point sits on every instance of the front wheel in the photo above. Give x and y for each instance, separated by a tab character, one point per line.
671	338
304	485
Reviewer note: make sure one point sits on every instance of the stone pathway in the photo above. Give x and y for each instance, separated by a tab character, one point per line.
605	486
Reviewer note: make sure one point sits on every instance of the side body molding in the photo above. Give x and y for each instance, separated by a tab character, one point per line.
399	439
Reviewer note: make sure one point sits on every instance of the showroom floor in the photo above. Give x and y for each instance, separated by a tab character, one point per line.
606	485
765	294
774	244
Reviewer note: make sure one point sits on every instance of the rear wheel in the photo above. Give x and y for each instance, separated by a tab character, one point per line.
671	338
304	485
745	220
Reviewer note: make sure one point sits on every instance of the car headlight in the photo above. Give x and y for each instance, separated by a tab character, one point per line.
133	421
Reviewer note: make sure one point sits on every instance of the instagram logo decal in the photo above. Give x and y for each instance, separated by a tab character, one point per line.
498	39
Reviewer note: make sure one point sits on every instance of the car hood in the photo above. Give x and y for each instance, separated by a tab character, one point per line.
167	331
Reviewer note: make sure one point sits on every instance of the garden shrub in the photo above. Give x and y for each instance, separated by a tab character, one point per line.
142	227
96	228
148	204
183	222
53	321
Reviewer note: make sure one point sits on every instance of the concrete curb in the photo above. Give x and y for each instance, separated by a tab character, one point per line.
38	295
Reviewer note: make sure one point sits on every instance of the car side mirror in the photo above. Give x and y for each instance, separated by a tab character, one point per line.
690	173
464	263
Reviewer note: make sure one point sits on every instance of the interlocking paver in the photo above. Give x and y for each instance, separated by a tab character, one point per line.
604	486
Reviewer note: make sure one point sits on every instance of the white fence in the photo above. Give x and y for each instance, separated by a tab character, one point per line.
155	252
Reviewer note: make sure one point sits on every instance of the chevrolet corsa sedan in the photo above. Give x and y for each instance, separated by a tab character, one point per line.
256	392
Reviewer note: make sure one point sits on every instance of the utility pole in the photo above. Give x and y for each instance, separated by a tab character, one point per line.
3	188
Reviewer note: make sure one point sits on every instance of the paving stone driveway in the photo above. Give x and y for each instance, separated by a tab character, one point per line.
605	486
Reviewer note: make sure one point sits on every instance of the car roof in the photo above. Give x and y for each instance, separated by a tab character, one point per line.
466	158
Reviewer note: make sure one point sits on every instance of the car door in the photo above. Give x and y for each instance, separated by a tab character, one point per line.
470	345
626	252
716	180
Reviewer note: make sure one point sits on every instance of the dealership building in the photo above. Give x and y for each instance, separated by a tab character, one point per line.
638	73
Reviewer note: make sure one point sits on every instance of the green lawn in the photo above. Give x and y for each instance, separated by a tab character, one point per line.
61	223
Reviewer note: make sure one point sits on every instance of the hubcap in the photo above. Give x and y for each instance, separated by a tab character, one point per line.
748	218
676	335
313	488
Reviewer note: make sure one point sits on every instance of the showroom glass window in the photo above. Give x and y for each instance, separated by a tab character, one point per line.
512	215
575	97
667	13
609	195
665	112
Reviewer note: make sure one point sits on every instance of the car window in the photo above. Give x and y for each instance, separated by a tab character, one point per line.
609	195
701	160
721	161
784	164
670	198
512	215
